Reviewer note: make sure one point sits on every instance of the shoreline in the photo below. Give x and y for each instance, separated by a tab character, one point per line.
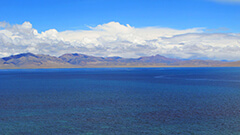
91	67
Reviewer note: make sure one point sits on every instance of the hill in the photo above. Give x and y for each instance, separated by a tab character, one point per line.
75	60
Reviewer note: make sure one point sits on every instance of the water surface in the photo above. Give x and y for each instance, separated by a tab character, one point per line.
120	101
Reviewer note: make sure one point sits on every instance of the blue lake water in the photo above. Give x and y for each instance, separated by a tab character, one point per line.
153	101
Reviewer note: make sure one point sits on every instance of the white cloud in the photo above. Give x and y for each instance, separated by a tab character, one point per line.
3	24
115	39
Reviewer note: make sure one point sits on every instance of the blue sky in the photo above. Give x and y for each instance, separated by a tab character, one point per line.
78	14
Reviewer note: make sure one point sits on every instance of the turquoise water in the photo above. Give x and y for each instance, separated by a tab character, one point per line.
153	101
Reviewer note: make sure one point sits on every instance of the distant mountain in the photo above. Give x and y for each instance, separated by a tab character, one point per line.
83	60
201	63
75	60
80	59
232	64
32	61
158	59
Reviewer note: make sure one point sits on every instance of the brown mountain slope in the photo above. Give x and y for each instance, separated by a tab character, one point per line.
158	59
232	64
207	63
85	60
80	59
32	60
29	60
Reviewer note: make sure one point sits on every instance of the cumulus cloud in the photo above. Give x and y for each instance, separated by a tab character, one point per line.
115	39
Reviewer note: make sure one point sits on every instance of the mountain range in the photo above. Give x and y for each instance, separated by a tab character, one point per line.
75	60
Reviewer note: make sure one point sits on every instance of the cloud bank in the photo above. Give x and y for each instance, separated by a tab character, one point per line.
115	39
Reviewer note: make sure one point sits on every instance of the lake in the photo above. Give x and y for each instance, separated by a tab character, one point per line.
153	101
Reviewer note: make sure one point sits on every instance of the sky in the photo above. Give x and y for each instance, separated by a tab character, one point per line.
187	29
